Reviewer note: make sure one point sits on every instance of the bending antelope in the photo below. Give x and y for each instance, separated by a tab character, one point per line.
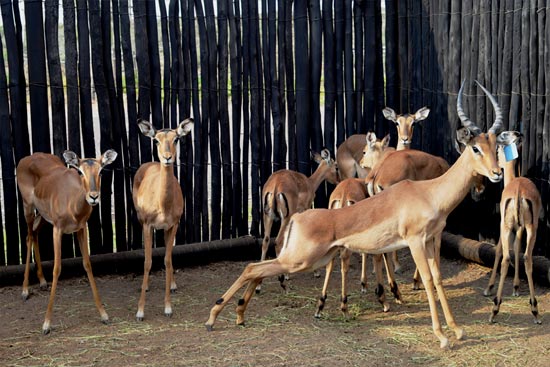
520	206
346	193
65	198
349	153
379	224
287	192
159	203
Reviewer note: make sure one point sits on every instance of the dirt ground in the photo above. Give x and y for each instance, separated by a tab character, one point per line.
280	328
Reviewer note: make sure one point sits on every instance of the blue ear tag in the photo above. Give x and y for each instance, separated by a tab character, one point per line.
511	152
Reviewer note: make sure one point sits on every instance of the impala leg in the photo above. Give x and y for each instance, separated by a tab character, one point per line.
345	256
363	273
418	252
25	291
82	236
434	264
243	302
391	280
517	246
531	235
268	223
39	272
498	255
169	238
148	243
323	297
505	236
396	263
379	291
57	234
255	272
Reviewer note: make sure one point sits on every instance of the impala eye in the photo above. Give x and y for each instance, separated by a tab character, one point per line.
475	149
80	173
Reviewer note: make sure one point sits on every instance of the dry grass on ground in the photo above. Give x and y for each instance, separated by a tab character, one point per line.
280	328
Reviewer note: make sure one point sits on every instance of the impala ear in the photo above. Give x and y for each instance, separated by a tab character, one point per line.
510	137
185	127
371	139
147	128
108	157
386	141
389	114
325	154
71	159
463	137
421	114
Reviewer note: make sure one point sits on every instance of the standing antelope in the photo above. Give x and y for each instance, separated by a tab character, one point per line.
65	198
346	193
520	206
410	214
349	153
159	203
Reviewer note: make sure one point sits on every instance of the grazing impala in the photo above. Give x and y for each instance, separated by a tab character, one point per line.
350	152
520	206
410	214
346	193
65	198
159	203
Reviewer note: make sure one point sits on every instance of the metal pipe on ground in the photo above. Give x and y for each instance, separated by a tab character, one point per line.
484	253
236	249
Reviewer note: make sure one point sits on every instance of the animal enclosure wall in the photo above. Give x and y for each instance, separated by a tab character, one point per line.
265	81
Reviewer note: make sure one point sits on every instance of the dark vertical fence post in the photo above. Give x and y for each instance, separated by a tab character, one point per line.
329	75
225	136
235	51
339	32
290	90
302	85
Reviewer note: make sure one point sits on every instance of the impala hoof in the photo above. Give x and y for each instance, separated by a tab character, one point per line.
487	292
25	295
208	327
139	316
173	290
46	328
44	286
168	312
460	334
537	322
444	344
105	319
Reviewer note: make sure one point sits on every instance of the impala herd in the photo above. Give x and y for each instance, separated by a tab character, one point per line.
386	199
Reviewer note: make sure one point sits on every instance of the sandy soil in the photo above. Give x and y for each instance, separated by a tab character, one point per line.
280	328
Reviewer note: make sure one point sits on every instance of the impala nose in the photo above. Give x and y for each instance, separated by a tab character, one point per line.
496	175
93	198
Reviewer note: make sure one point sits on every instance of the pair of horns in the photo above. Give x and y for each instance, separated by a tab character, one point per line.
466	122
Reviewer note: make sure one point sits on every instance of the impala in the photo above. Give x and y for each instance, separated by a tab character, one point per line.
65	198
346	193
159	203
349	153
520	206
410	214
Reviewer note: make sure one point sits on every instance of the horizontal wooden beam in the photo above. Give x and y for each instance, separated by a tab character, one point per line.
484	253
237	249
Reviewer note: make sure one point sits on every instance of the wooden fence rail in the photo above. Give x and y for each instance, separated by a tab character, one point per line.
266	82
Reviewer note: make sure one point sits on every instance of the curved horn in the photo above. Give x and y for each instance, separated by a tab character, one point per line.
497	125
466	122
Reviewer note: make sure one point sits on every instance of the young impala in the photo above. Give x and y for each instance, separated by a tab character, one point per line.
65	198
349	192
410	214
159	203
520	206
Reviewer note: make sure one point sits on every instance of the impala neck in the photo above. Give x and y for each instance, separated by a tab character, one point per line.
401	146
166	181
509	171
448	190
318	176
